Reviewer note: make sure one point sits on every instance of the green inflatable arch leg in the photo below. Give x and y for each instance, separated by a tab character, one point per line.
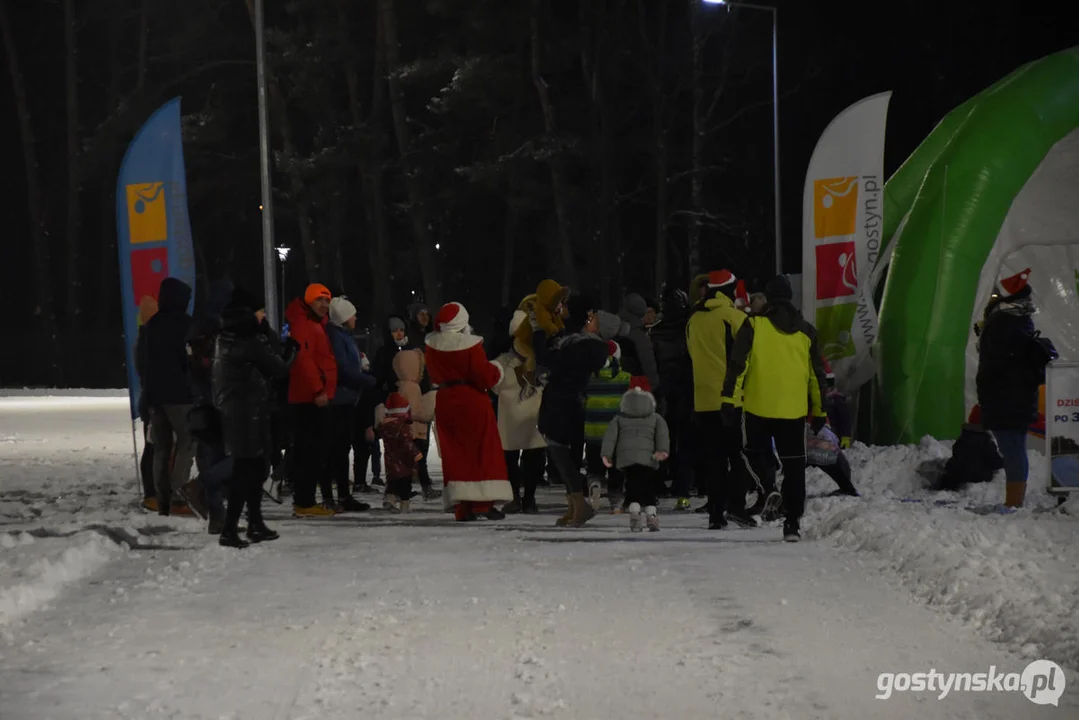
982	160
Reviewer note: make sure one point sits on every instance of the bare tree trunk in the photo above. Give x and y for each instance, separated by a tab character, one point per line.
696	191
39	239
510	257
74	215
556	163
659	139
611	262
417	212
144	36
370	171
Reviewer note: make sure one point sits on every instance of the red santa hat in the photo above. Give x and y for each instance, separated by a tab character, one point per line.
721	279
396	404
741	296
640	383
1016	283
452	318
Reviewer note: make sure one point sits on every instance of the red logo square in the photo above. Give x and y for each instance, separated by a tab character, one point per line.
836	272
148	268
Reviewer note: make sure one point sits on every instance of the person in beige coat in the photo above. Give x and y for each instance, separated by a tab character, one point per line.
408	365
518	414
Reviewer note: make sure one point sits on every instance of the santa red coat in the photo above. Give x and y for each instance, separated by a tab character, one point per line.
473	465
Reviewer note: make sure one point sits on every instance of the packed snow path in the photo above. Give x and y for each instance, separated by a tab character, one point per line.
379	616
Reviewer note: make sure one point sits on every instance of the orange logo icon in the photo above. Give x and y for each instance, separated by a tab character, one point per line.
835	206
146	219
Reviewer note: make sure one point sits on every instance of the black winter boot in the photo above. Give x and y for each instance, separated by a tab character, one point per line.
231	538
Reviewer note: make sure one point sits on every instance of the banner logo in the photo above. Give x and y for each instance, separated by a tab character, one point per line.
835	206
834	331
146	215
837	274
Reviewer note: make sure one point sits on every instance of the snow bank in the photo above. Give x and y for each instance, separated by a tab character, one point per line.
32	579
62	393
1012	577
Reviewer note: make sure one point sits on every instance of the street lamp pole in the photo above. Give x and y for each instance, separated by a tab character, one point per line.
775	117
269	277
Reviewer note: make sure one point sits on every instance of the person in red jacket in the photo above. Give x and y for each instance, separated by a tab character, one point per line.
312	384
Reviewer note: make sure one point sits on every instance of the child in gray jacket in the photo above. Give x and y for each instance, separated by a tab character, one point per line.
636	442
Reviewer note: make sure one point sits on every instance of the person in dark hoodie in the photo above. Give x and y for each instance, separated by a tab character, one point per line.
352	382
247	361
419	325
214	465
774	381
634	311
569	362
676	378
396	339
162	364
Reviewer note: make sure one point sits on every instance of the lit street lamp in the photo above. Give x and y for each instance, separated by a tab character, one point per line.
775	110
282	255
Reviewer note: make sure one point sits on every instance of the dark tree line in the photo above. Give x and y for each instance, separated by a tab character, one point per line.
443	149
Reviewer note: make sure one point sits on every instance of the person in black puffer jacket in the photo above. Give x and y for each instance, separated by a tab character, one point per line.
247	361
1011	366
162	363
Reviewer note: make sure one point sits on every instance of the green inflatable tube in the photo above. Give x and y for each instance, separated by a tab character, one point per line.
975	164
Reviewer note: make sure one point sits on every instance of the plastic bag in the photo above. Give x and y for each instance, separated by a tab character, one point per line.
822	449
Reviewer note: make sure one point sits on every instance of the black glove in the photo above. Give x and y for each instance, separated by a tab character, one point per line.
732	416
818	424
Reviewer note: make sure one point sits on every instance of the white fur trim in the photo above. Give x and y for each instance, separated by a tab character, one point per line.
479	491
519	317
501	372
397	411
459	323
452	342
617	355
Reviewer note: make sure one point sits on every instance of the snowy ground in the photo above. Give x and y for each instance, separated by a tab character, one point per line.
106	612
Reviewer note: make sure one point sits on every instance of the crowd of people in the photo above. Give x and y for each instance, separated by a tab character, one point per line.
710	391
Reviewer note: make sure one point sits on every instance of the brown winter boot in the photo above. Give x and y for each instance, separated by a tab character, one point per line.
565	519
1014	494
582	510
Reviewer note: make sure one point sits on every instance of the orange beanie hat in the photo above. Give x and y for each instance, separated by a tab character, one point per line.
315	291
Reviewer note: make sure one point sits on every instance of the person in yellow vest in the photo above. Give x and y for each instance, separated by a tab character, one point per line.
710	336
773	383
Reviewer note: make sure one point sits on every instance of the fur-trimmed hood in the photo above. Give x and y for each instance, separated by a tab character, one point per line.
638	403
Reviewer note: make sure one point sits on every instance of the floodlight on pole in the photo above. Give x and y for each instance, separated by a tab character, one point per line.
282	253
775	113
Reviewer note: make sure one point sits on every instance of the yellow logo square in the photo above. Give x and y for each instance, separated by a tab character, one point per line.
835	206
146	220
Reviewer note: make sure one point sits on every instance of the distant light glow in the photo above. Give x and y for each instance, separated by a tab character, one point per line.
714	2
260	206
438	246
282	253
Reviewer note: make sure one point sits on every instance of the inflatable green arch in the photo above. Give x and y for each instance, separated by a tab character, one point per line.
944	210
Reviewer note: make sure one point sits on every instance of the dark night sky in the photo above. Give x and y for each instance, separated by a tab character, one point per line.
932	55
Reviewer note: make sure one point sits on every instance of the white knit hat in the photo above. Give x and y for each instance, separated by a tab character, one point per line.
341	310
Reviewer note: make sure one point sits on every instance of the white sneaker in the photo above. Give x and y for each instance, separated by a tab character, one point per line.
651	518
635	524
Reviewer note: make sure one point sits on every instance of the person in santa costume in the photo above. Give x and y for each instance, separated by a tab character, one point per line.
473	464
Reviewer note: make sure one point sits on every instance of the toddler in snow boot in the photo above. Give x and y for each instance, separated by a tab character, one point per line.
636	442
401	455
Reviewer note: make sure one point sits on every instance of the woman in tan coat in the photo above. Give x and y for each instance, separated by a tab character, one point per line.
518	415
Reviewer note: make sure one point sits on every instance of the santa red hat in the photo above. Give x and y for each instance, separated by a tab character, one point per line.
397	404
741	295
640	383
721	279
452	318
1016	283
